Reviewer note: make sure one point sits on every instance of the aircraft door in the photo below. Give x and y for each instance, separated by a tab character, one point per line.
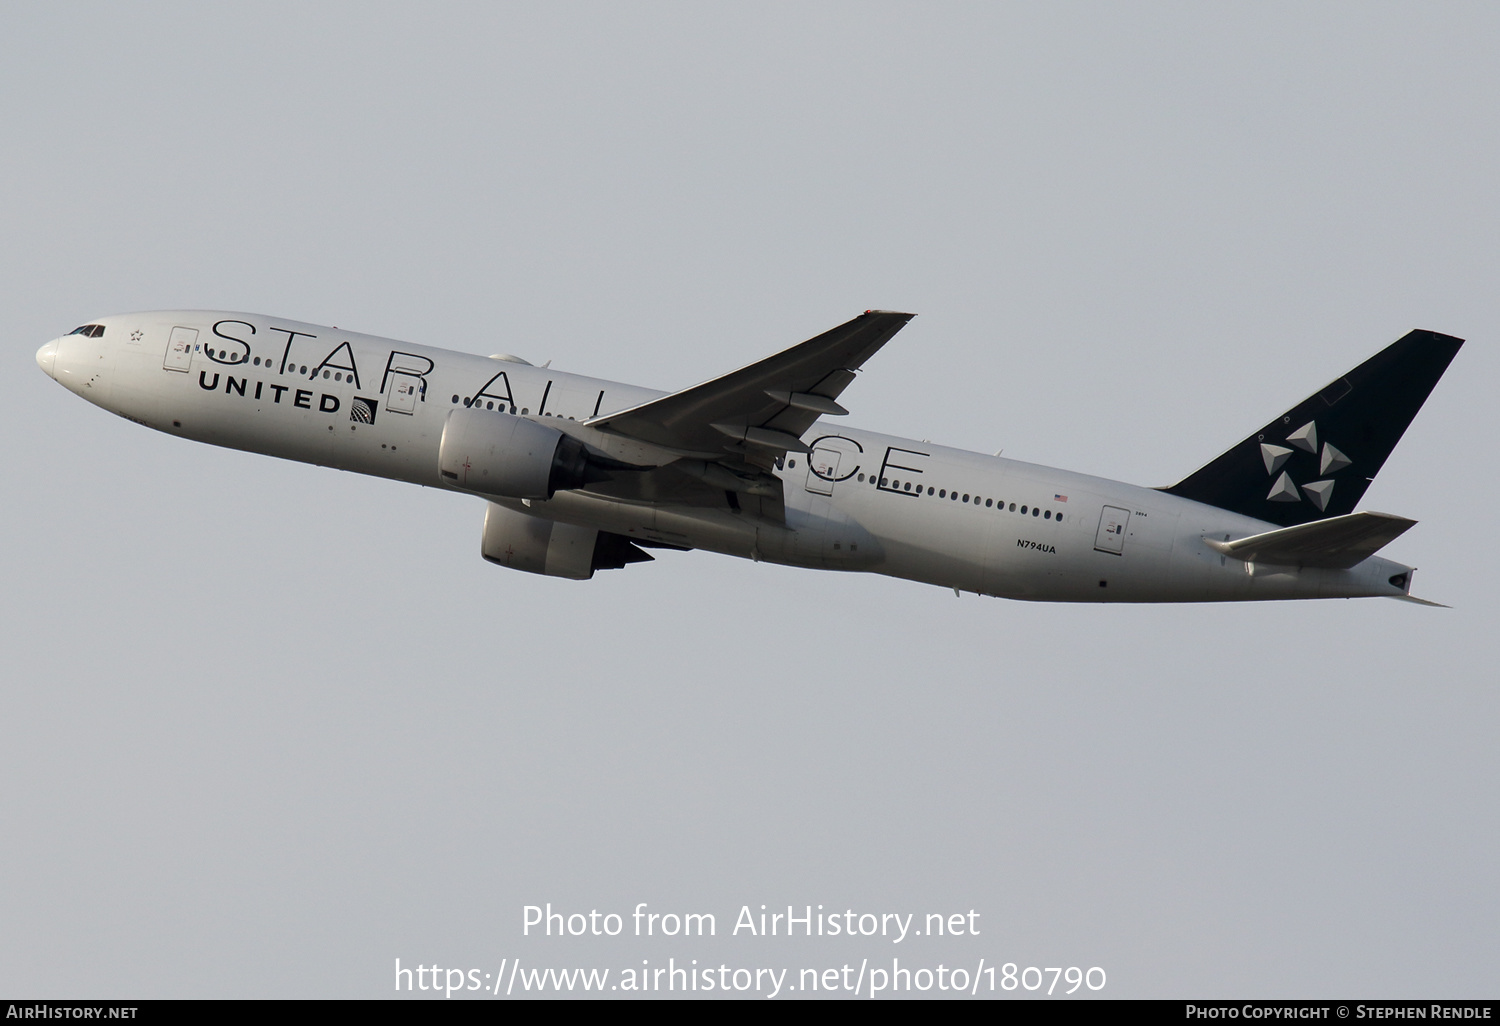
1111	534
834	458
822	470
405	390
180	349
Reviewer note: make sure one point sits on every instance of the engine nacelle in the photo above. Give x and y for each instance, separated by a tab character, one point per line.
502	454
538	546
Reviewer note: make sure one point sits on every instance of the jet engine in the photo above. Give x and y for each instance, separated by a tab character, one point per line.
502	454
537	546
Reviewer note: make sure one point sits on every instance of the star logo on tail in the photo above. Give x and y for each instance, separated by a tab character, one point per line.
1330	461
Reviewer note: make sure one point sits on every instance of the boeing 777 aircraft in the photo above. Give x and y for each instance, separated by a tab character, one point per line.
582	475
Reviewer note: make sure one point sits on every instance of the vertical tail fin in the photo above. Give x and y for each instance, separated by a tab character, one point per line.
1317	459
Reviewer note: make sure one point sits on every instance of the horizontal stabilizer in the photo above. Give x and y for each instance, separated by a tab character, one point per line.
1336	544
1421	602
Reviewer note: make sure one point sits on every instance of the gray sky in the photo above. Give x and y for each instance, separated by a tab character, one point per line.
269	727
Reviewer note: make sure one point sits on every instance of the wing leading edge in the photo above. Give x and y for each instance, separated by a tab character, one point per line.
758	413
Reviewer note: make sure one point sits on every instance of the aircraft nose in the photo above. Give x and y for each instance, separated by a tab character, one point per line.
46	357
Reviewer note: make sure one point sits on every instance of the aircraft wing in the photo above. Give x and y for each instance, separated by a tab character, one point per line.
1336	543
758	413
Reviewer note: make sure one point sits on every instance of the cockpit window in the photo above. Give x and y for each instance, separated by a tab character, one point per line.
89	331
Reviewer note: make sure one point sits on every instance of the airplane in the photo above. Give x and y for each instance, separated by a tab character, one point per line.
581	474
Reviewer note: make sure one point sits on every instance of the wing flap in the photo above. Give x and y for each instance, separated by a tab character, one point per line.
1336	543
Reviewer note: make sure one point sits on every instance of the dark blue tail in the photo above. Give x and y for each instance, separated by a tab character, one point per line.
1317	459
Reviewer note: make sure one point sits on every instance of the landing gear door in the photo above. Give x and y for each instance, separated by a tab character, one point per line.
180	349
822	471
1111	535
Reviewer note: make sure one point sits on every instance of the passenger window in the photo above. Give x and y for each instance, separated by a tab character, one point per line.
943	494
1048	516
988	503
1035	511
1023	511
1013	507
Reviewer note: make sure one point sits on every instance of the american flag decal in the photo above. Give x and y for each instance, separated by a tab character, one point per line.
1060	498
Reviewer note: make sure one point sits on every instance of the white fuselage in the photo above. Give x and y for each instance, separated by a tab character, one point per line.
862	501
